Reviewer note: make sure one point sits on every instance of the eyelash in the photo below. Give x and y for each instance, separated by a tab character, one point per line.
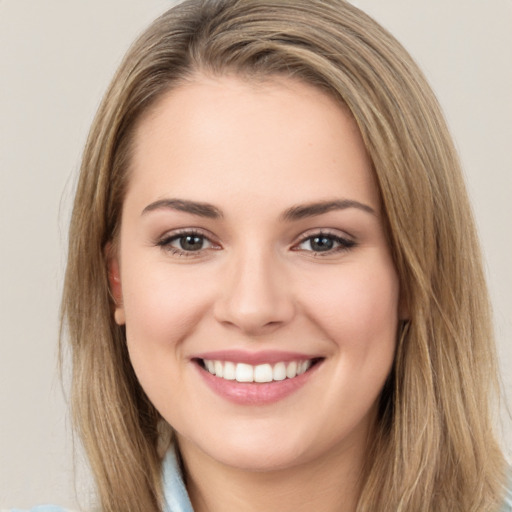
344	244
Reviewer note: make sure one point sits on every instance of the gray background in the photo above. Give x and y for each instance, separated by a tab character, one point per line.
57	57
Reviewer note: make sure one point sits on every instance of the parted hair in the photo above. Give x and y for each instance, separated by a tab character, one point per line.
435	448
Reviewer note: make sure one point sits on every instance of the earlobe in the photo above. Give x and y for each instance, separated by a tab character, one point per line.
114	281
119	315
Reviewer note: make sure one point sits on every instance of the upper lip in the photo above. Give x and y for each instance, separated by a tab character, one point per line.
254	358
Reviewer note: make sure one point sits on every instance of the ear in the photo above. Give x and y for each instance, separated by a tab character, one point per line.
114	281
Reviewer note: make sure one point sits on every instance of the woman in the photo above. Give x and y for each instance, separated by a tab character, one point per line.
273	281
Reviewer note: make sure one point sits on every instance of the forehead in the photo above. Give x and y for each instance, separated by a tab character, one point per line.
277	139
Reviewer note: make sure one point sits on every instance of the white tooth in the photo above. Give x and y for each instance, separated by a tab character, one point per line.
244	372
301	368
219	368
263	373
279	371
291	370
210	366
229	371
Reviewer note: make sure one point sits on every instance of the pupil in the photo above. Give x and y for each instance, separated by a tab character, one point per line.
322	243
191	243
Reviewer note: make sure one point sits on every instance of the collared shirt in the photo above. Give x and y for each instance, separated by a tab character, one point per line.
176	498
175	493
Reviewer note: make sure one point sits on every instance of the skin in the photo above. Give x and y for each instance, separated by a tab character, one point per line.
258	282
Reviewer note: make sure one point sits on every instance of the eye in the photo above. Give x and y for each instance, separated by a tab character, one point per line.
189	242
186	243
325	243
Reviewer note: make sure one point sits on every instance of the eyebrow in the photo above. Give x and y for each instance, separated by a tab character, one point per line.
312	209
291	214
182	205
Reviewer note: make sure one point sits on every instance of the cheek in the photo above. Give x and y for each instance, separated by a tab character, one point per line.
162	307
357	308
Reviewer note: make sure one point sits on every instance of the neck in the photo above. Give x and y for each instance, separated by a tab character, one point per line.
328	484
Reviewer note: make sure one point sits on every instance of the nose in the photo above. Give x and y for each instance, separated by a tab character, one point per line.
256	297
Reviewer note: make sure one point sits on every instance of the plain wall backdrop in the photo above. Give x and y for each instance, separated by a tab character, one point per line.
56	59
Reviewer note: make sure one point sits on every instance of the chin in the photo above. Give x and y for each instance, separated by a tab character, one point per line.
258	447
257	458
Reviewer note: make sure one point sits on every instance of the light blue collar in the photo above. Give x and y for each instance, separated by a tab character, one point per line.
176	497
175	494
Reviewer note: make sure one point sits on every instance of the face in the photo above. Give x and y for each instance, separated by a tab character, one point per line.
255	281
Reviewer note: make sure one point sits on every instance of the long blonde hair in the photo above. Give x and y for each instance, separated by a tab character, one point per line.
435	449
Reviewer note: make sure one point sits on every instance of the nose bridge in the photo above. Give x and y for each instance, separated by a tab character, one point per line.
256	297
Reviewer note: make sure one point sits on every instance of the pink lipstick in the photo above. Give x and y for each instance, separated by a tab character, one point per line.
256	378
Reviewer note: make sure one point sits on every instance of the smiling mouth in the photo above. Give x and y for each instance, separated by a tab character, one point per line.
261	373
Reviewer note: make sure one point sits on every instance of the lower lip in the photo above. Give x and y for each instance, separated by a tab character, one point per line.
255	393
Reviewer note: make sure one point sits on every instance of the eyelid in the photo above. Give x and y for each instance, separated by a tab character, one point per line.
175	233
335	233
